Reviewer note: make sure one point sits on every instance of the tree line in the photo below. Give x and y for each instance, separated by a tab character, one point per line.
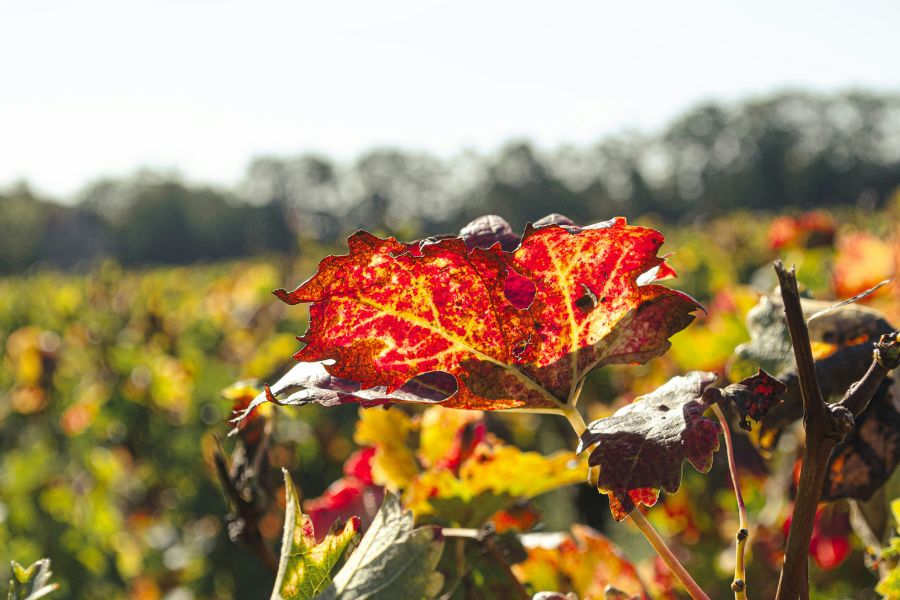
791	151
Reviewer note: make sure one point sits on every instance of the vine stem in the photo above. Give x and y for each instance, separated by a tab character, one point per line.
666	554
636	517
739	585
823	432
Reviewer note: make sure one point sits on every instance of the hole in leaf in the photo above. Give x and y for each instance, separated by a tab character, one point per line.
588	301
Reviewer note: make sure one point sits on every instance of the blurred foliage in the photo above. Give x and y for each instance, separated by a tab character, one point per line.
790	151
110	379
110	391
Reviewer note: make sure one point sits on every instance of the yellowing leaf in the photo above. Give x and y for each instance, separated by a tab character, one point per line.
304	570
437	427
488	481
393	465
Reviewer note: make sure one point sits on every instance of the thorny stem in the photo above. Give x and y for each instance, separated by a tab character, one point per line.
643	524
739	585
666	554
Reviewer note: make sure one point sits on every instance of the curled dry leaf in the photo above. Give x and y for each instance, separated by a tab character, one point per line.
843	337
864	461
752	397
311	382
388	313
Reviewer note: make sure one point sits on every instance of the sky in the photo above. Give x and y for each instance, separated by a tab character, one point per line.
103	87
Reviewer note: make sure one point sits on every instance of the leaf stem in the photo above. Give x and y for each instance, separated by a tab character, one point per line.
739	585
666	554
575	419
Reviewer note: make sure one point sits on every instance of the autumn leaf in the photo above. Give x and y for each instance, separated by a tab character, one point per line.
841	340
304	569
584	562
393	463
864	461
458	474
311	382
388	312
869	455
640	448
588	302
447	436
354	494
494	478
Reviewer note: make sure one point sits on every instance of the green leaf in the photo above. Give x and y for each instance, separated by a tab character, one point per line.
31	583
393	560
304	569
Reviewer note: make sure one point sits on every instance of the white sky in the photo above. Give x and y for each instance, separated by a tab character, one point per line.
102	87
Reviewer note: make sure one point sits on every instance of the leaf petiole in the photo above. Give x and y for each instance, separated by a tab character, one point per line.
638	518
575	419
739	585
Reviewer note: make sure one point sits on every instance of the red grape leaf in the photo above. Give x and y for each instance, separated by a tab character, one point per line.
385	315
354	495
388	312
641	447
588	303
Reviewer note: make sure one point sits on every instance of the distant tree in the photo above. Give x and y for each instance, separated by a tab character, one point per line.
23	221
